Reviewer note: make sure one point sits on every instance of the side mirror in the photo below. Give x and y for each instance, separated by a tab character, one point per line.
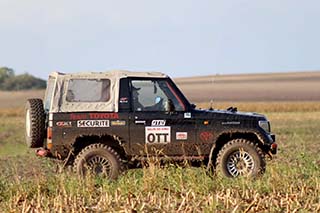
193	106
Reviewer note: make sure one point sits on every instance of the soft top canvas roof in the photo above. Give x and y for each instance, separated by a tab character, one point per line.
113	74
60	104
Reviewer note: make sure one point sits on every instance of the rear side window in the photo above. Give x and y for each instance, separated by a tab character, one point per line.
88	90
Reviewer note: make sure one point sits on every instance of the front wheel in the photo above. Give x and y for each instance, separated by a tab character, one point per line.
240	157
98	159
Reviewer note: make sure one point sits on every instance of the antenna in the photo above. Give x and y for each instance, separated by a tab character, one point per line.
211	100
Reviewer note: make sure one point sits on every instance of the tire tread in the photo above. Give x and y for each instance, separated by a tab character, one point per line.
80	156
247	142
37	118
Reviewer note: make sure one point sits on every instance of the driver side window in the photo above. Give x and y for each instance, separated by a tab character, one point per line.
153	95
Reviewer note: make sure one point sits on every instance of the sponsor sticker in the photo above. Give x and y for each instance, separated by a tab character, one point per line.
187	115
158	123
181	135
206	136
118	123
93	123
64	124
103	116
158	134
77	116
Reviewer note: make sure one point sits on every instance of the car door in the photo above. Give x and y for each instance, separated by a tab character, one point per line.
159	122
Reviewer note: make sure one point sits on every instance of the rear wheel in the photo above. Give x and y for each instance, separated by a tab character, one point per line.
98	159
34	123
240	157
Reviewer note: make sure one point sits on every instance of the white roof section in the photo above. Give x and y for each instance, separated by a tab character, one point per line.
109	74
59	100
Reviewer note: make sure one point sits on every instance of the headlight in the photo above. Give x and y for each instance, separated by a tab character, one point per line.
265	125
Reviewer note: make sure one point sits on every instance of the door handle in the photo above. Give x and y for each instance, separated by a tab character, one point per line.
140	122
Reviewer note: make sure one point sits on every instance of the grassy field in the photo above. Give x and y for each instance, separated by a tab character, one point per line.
291	182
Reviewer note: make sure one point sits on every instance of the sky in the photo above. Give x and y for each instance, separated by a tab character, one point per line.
178	37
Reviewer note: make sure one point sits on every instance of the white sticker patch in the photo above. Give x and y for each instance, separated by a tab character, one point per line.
187	115
158	123
93	123
158	134
64	124
181	135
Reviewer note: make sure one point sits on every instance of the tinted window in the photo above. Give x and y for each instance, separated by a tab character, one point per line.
88	90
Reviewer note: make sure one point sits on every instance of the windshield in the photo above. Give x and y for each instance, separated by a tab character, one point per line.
49	93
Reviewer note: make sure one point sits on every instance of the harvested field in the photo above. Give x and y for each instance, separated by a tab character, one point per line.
290	184
17	99
284	87
252	87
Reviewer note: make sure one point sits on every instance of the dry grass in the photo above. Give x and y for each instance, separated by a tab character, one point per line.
11	112
168	190
17	99
12	103
291	182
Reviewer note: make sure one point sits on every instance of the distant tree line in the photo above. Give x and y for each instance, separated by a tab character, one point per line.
10	82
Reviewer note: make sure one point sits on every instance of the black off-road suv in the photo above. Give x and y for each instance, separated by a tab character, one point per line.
100	121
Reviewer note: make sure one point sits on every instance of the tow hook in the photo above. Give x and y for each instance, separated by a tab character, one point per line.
274	148
42	152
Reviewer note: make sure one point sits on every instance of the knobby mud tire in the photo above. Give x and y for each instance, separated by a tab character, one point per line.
98	155
252	155
34	123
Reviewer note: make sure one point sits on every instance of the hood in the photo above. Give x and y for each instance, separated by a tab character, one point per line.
229	114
